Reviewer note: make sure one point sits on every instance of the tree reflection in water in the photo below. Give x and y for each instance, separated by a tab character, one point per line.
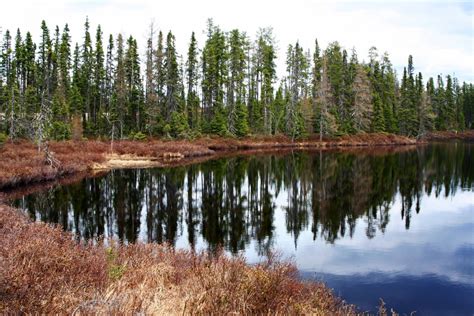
231	202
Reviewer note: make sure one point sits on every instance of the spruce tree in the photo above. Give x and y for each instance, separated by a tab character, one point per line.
268	69
298	70
159	75
55	61
65	62
408	123
235	84
378	120
348	97
449	116
279	105
389	98
134	88
335	73
316	87
460	120
171	78
468	104
85	78
118	107
192	98
241	125
380	109
29	77
214	76
45	62
98	97
109	76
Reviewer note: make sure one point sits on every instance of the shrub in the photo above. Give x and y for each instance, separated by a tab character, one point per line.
167	130
179	124
59	131
218	124
3	139
115	271
76	124
139	136
242	127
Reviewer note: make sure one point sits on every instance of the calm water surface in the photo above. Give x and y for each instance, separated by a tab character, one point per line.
397	226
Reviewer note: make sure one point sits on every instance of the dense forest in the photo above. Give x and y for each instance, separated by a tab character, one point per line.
229	87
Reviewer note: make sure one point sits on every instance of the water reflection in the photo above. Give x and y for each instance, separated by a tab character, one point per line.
231	202
392	224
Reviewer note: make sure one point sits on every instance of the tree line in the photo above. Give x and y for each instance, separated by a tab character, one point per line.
229	87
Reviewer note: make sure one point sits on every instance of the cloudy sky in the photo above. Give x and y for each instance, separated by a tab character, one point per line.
439	34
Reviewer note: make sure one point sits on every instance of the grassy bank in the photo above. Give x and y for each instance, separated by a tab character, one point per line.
43	270
23	164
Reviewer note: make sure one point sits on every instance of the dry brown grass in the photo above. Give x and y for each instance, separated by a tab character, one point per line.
43	270
450	135
22	163
158	280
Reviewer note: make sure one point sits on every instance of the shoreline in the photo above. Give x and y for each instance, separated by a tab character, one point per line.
19	191
24	166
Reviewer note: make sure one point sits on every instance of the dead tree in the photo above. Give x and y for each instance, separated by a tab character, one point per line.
49	157
39	133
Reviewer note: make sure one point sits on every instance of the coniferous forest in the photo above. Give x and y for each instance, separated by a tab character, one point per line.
58	89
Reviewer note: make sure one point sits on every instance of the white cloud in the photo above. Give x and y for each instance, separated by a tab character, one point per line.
439	34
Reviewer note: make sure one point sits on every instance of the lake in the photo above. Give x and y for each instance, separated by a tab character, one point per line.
391	223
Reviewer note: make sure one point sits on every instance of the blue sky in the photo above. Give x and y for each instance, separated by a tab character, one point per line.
439	34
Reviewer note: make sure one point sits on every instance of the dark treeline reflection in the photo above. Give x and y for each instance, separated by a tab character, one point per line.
232	201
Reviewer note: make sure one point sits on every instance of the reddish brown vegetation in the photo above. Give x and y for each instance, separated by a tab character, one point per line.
22	163
42	270
376	139
42	267
446	136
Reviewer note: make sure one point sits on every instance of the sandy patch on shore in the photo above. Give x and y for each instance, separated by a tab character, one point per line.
125	161
114	161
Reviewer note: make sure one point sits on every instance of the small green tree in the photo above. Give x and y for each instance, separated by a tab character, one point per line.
241	124
218	124
3	139
378	122
179	126
59	131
